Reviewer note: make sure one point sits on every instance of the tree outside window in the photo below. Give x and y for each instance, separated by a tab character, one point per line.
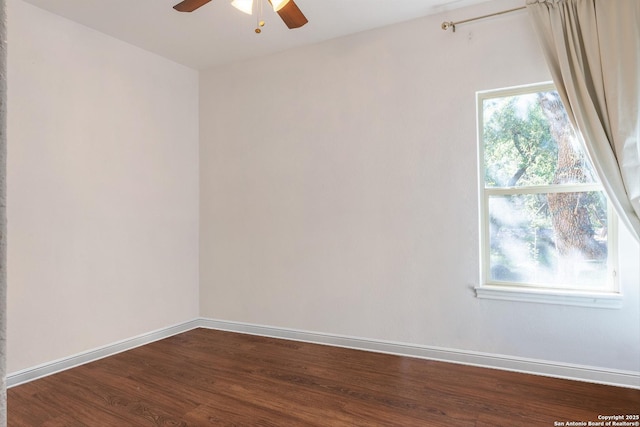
545	219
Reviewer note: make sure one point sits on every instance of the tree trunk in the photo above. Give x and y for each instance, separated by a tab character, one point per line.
569	211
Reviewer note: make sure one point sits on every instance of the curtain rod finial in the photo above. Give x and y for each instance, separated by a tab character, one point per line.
446	25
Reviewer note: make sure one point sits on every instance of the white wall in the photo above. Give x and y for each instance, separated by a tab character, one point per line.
102	189
339	195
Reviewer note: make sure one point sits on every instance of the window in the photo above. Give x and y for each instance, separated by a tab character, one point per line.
547	229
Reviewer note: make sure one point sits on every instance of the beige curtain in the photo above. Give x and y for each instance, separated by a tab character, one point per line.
592	48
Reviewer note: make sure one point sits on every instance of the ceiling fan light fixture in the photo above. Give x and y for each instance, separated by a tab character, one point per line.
245	6
278	4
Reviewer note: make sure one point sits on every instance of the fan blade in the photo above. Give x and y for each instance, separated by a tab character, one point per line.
292	15
190	5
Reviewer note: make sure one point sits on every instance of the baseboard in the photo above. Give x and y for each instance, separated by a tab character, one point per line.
40	371
619	378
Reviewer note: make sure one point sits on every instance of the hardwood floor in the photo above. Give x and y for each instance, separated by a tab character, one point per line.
207	377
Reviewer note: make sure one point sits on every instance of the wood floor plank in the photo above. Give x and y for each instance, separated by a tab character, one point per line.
25	404
214	378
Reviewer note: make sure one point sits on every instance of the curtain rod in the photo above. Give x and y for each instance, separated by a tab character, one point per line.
446	25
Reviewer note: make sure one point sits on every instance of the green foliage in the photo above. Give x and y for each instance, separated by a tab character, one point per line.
518	147
519	151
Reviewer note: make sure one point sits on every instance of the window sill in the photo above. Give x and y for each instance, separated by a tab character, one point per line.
548	296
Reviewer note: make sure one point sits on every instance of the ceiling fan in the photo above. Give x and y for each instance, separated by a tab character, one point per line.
286	9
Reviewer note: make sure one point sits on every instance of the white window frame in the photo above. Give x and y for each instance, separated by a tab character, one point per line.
611	298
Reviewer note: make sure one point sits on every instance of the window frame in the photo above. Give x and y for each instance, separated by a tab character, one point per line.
520	291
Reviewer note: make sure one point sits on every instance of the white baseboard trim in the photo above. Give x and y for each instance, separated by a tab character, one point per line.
619	378
50	368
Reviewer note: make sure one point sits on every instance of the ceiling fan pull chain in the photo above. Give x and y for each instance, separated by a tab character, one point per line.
259	17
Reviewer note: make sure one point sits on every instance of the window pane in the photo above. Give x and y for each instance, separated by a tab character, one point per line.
528	140
552	239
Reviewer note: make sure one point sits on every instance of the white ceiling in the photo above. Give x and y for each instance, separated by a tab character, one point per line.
217	33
